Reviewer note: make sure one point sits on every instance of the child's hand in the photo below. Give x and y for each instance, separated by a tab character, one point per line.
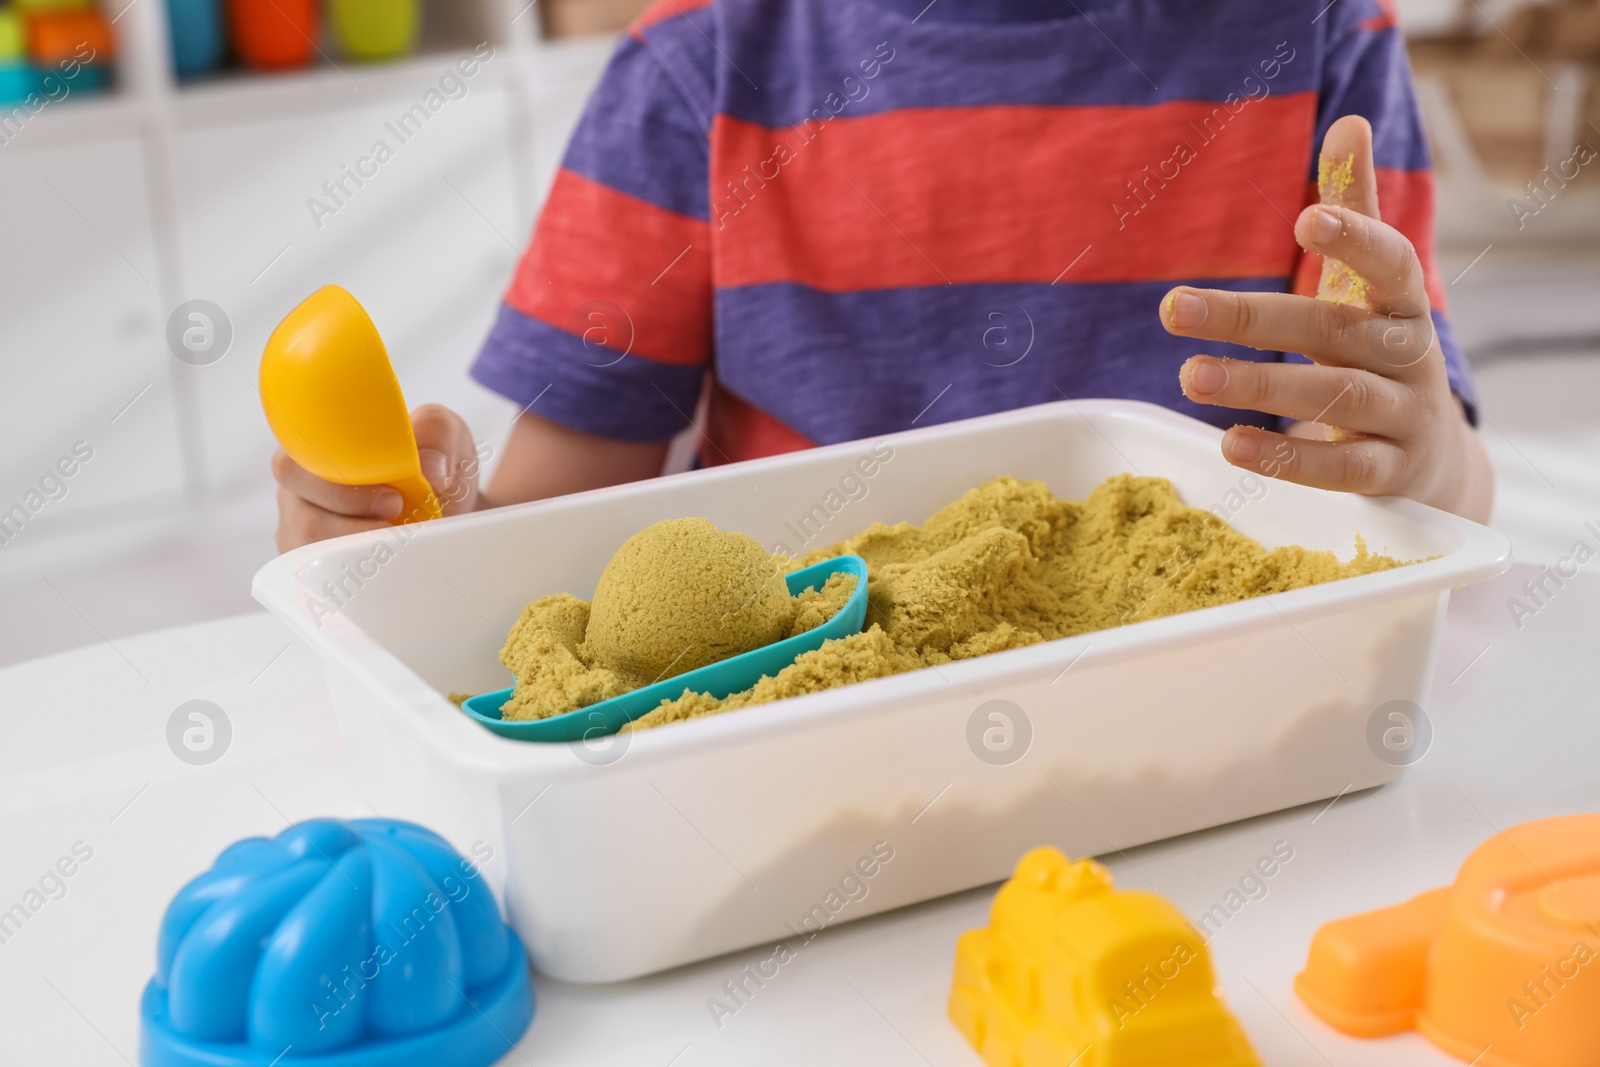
1384	420
310	509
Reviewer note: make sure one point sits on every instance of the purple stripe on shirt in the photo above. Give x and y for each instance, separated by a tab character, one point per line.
550	372
663	158
793	53
1370	76
840	366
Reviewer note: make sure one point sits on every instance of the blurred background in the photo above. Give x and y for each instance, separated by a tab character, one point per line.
177	151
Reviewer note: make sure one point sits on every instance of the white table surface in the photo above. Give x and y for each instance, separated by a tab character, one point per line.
84	758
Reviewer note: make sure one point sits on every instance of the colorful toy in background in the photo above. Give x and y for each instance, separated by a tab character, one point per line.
274	34
199	39
1490	968
1071	970
74	42
50	49
287	34
357	943
17	76
375	29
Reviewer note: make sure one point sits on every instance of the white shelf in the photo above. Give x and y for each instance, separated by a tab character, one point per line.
247	96
243	96
114	114
166	191
148	93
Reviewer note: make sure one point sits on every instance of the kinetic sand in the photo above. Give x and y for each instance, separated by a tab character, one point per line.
677	596
1007	565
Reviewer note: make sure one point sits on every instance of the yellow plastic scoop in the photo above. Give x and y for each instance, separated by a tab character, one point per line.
334	403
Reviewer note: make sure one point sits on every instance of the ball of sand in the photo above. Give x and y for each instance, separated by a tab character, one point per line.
683	594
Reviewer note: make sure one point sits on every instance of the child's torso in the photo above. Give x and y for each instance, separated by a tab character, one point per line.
979	217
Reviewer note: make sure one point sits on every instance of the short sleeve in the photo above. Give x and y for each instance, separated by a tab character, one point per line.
1366	72
606	326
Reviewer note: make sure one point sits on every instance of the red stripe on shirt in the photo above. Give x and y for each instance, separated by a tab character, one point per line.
1405	200
1388	20
660	11
902	199
738	430
1308	269
619	272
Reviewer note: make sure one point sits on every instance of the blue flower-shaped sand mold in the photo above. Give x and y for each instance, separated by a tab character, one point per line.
360	943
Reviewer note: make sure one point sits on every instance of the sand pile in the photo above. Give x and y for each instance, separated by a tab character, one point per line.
1010	565
677	596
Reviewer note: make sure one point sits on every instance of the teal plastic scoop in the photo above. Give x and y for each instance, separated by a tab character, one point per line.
719	679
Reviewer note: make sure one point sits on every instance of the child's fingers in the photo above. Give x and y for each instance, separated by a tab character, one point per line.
301	522
438	428
1376	265
447	454
1331	334
358	501
1366	465
1345	173
1351	399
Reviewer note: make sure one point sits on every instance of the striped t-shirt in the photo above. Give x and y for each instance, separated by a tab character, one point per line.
843	218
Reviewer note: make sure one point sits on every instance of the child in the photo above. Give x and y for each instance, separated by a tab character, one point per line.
837	219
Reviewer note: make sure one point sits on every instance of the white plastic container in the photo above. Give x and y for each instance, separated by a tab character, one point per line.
650	850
